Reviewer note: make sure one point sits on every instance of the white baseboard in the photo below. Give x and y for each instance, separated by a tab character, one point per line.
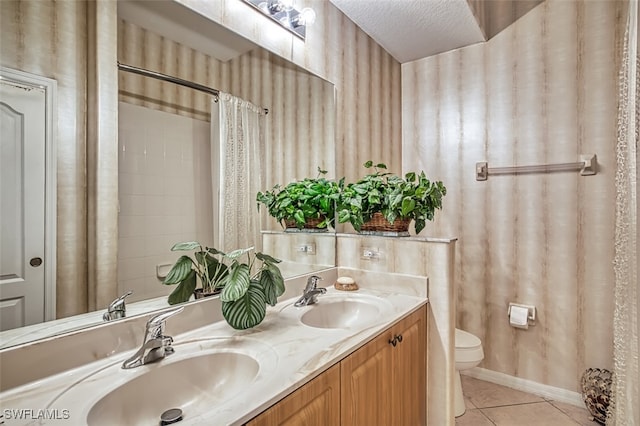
544	391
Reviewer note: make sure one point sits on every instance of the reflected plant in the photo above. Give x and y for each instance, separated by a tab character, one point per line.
310	198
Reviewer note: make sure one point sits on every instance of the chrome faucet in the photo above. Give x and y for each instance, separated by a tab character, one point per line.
311	292
155	345
117	308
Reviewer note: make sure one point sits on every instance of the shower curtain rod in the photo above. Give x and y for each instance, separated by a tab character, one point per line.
174	80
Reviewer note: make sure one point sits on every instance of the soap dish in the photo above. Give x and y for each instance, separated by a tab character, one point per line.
346	284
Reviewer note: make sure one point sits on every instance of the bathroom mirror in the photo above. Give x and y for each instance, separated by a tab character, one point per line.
299	136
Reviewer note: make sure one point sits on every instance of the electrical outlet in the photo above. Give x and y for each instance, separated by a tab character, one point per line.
371	253
308	248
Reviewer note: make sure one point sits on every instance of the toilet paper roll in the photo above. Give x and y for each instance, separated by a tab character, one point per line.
519	317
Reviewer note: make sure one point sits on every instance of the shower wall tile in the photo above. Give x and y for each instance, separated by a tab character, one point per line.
544	90
165	209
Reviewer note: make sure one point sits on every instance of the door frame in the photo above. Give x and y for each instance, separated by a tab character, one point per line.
50	87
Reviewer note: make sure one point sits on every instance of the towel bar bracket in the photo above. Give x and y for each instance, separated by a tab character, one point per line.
587	166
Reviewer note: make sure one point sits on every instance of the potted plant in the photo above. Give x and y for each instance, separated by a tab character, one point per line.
246	287
308	203
381	197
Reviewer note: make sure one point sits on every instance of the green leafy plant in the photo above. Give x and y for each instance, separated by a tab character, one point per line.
247	287
310	198
412	197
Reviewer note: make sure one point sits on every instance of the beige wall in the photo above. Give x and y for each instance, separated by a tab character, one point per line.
74	42
50	39
367	78
300	126
542	91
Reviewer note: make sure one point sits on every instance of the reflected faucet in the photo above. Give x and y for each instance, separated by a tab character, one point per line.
155	345
117	308
311	292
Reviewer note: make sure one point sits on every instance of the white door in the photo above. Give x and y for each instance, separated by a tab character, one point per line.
22	205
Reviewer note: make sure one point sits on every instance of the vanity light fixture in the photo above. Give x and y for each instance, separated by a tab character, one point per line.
285	14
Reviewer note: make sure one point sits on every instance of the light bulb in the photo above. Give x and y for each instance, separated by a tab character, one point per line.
307	16
286	4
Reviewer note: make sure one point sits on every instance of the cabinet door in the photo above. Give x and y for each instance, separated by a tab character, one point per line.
366	379
315	404
409	396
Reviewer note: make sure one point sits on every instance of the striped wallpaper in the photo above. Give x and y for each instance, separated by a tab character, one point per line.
366	77
544	90
300	126
50	39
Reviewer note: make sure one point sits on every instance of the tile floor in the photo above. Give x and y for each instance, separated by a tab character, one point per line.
489	404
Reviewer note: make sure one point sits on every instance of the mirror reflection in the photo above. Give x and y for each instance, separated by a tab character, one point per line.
174	165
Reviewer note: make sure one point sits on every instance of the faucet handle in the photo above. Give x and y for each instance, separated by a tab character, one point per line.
155	325
159	319
312	282
117	308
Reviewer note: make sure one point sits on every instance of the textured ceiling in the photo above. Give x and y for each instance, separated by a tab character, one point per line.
414	29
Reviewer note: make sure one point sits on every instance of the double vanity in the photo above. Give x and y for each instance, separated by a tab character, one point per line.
325	361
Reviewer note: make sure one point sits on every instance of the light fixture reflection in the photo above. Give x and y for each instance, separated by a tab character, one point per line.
284	13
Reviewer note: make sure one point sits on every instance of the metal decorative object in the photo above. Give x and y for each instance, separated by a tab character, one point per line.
596	391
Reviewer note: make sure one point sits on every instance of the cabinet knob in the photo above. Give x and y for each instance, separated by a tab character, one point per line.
394	341
399	337
35	262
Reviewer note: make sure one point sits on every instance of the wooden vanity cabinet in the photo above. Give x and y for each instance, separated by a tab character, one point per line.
317	403
385	384
380	384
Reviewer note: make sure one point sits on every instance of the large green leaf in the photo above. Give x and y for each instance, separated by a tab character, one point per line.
190	245
266	258
237	253
179	271
184	290
408	204
236	283
248	311
273	284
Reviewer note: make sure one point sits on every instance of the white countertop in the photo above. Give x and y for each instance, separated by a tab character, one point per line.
290	353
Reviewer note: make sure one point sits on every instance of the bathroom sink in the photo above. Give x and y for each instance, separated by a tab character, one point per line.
192	385
199	378
338	312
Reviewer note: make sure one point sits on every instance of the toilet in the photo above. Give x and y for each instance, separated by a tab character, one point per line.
468	354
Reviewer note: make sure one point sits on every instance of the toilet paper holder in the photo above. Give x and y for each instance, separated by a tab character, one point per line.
531	317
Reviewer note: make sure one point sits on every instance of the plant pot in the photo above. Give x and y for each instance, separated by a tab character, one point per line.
199	293
379	225
311	225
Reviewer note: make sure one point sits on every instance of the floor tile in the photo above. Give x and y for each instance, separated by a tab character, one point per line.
485	394
473	417
536	414
578	414
467	400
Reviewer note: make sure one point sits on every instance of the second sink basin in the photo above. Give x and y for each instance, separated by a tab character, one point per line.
340	312
191	385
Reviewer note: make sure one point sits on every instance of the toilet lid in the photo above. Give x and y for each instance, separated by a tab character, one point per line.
465	339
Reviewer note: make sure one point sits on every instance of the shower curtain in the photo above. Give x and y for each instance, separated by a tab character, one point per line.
239	173
625	406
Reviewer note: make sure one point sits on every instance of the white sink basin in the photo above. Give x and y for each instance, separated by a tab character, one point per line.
193	385
345	311
201	376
